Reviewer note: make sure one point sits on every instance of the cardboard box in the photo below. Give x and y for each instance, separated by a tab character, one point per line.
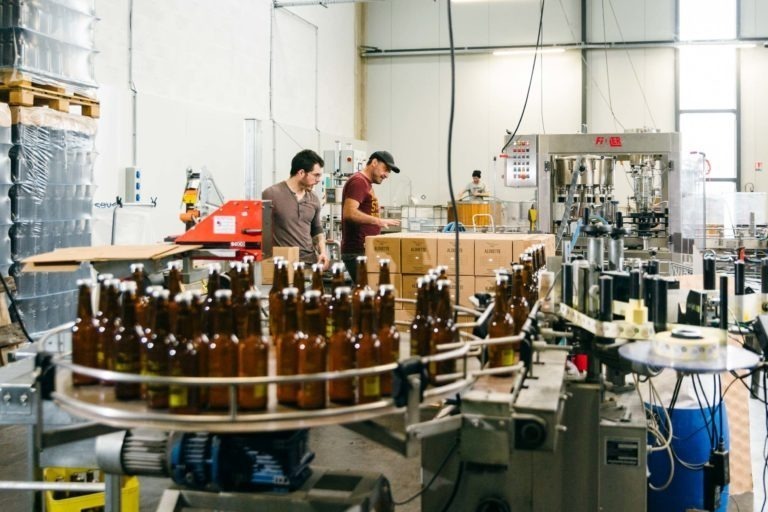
466	289
397	280
492	252
519	247
383	246
409	289
446	254
268	265
485	284
404	315
548	240
417	254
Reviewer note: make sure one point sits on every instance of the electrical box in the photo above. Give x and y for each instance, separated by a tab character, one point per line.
133	188
521	162
352	161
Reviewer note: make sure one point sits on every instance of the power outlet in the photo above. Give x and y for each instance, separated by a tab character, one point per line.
133	187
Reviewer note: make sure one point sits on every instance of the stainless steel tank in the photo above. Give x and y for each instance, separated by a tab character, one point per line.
603	172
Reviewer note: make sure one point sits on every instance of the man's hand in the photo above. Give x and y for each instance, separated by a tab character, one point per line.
323	260
385	223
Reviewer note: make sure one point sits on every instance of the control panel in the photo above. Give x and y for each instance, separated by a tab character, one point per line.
521	162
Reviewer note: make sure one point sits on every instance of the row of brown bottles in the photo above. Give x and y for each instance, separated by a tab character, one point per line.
192	335
433	323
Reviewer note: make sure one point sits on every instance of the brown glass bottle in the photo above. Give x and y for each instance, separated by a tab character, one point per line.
140	277
361	264
197	305
145	308
501	325
279	282
443	332
317	278
156	351
287	346
432	293
128	343
173	285
518	305
367	350
318	285
84	334
337	276
240	315
222	350
108	322
184	361
313	352
299	284
421	326
384	272
389	337
529	283
174	278
253	356
249	263
100	318
341	346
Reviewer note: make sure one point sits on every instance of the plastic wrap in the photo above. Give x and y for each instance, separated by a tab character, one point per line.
5	188
51	201
49	42
45	312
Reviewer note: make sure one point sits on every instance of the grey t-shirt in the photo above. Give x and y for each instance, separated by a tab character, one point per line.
294	222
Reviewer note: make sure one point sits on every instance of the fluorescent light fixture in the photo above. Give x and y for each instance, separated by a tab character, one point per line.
694	44
526	51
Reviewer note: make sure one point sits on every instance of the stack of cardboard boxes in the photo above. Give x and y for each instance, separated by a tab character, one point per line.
480	254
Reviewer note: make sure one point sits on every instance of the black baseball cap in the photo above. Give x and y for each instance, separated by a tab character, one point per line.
386	157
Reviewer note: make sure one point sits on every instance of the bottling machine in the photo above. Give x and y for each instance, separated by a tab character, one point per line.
573	172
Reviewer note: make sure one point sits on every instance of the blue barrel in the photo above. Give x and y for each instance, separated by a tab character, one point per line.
691	443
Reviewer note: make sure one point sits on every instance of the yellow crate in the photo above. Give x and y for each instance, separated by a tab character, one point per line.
129	498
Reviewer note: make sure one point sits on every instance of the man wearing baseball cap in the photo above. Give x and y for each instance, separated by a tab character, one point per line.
360	216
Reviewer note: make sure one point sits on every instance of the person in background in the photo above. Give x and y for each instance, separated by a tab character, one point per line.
475	189
360	208
296	210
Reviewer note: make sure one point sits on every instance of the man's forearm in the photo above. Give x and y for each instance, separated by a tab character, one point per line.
359	217
318	242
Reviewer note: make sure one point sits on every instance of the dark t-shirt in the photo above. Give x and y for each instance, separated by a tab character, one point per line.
294	222
359	188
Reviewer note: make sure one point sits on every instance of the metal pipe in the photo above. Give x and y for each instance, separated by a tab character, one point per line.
724	302
595	252
13	485
764	275
616	253
738	272
634	284
567	289
660	304
606	298
709	272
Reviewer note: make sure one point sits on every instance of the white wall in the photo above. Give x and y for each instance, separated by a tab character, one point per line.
200	69
407	100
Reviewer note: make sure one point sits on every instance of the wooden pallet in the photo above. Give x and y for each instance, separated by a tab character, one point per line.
23	93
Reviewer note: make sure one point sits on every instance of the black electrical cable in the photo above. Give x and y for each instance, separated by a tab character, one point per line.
15	309
450	147
703	415
530	80
431	480
457	483
711	411
719	384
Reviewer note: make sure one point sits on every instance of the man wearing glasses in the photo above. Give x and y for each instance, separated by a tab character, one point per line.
360	211
296	210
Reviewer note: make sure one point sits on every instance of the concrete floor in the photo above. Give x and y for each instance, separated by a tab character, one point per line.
335	447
